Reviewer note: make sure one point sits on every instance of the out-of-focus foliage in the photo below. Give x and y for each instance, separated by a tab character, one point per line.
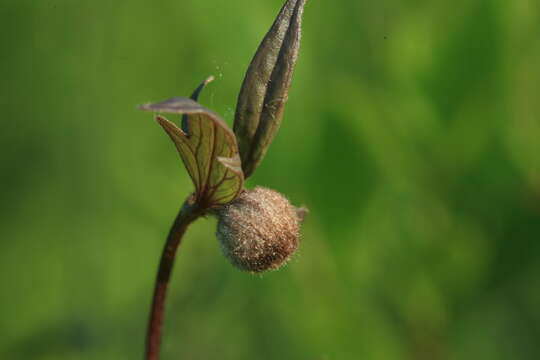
412	133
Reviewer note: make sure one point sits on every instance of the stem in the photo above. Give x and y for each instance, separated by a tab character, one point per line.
187	214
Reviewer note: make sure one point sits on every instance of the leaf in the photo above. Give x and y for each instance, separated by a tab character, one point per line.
207	147
266	86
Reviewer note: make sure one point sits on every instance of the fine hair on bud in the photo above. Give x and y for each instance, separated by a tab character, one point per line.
259	230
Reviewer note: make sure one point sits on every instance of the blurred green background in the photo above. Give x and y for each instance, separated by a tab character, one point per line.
412	133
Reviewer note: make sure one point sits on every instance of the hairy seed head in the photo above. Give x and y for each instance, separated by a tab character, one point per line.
259	230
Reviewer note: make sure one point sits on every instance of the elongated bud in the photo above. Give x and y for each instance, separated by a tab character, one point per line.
259	230
266	86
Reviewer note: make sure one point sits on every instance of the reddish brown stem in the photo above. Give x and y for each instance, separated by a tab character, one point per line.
186	216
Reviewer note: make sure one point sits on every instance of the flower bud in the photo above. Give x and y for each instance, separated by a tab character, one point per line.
265	89
259	230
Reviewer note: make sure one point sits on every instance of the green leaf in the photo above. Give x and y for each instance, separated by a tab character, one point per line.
207	147
266	86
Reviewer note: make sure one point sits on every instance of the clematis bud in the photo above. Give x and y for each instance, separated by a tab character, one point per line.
265	89
259	230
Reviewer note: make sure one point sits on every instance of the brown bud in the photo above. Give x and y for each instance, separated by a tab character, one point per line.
259	230
265	89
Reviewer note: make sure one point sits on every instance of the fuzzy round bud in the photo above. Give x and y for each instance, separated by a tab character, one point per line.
259	230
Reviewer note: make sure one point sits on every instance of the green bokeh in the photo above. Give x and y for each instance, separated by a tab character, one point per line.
412	133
